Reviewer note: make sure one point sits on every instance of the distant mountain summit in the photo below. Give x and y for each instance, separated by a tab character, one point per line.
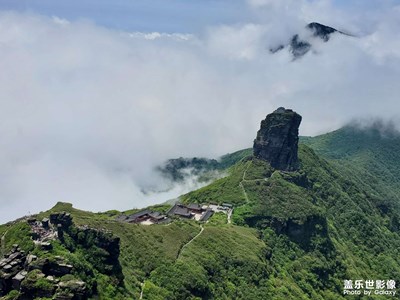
299	46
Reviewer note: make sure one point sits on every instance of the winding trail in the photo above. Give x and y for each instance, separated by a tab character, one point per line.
179	254
242	186
188	243
229	215
141	291
245	180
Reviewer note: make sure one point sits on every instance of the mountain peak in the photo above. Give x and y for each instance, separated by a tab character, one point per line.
299	45
321	31
277	139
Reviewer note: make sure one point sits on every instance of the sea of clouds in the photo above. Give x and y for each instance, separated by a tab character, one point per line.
88	112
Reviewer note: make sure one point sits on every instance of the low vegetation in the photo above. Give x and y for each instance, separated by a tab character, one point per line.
295	235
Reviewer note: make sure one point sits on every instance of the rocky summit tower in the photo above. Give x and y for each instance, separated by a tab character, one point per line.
277	140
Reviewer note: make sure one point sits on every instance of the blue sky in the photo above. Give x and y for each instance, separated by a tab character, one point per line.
184	16
139	15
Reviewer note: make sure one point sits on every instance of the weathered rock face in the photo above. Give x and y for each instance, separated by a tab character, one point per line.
277	140
52	276
63	218
10	267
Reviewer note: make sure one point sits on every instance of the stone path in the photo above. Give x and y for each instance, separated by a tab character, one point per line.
229	215
245	180
242	186
188	243
141	292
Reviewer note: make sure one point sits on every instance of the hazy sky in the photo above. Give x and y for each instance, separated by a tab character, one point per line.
186	16
94	94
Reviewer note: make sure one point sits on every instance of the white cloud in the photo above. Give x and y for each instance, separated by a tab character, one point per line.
238	42
159	35
87	112
60	21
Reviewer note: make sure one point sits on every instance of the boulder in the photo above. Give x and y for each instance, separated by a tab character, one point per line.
30	258
10	266
17	279
62	218
31	220
76	287
51	267
46	246
59	269
45	223
35	285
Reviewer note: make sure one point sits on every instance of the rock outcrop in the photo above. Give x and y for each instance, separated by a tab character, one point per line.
322	31
10	270
46	275
277	139
35	277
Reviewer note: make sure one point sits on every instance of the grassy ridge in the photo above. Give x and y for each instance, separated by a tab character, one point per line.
372	152
322	218
226	189
296	235
143	248
224	262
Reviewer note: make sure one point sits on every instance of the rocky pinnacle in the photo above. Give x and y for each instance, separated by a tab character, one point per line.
277	140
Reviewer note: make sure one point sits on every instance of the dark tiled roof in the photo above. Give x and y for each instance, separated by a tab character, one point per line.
172	210
121	218
140	214
227	205
206	215
181	211
194	206
156	215
164	221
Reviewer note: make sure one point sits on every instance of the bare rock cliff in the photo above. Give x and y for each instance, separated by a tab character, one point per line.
277	140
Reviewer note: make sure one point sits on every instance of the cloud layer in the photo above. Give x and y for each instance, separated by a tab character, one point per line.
87	112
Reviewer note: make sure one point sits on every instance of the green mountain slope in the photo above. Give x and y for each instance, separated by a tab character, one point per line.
177	169
142	248
372	152
335	228
294	235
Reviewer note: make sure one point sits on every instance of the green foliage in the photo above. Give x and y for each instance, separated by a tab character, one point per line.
229	160
37	285
328	224
18	233
143	249
108	289
258	169
219	218
222	263
154	292
13	295
241	214
206	169
371	152
297	235
226	189
43	284
280	198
